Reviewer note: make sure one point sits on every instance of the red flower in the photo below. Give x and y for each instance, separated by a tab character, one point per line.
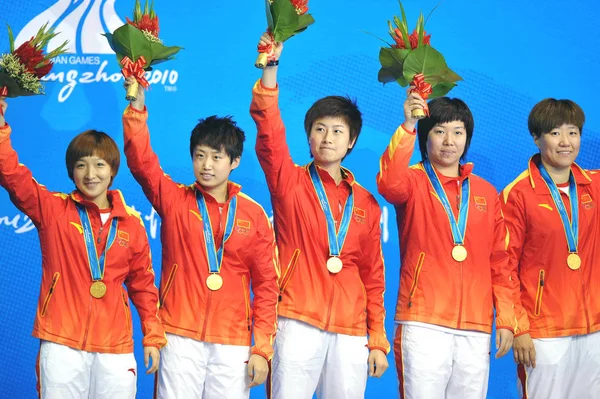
44	69
31	57
146	23
413	39
301	6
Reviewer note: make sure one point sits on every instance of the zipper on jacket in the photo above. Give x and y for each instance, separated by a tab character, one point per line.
288	273
87	324
247	302
413	288
203	334
540	291
168	284
587	317
460	305
49	294
99	239
458	195
127	313
329	311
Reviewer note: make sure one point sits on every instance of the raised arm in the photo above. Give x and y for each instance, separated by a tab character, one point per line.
271	147
394	180
160	190
26	193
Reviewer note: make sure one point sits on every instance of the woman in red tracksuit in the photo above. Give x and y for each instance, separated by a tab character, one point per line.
554	228
92	244
455	267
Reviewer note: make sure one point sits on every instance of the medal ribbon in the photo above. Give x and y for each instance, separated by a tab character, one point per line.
336	241
215	257
458	229
96	264
571	227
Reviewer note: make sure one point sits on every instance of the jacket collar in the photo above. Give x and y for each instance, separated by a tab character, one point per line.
115	198
537	181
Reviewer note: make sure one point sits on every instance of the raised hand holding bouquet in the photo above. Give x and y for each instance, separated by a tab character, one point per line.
22	69
138	47
285	18
411	60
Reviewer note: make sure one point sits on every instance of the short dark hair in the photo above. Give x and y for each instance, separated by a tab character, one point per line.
218	133
93	143
344	108
551	113
444	110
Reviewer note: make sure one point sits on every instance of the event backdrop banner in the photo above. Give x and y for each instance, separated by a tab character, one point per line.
511	55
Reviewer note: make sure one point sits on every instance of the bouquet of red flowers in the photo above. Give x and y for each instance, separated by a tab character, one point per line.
138	47
411	60
286	18
21	70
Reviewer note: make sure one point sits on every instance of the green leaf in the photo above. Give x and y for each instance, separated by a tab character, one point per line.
391	60
402	81
137	11
404	20
161	52
392	57
304	21
425	60
285	19
109	39
269	14
421	29
11	39
452	76
130	41
429	15
386	76
441	89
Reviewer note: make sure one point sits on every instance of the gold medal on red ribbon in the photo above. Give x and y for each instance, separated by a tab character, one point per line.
334	264
459	253
214	282
98	289
574	261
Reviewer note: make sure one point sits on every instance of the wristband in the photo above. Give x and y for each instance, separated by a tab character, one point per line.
273	63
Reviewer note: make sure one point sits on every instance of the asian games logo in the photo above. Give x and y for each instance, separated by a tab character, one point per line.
89	57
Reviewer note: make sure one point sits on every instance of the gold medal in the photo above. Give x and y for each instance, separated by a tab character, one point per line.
334	264
459	253
214	282
574	261
98	289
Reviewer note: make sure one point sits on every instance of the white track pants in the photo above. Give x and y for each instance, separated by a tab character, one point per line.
309	360
566	368
191	369
67	373
434	364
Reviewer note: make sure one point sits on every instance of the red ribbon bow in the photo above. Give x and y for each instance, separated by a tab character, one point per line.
135	69
268	48
421	87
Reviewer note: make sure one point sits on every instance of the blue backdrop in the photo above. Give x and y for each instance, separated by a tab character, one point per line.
511	54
